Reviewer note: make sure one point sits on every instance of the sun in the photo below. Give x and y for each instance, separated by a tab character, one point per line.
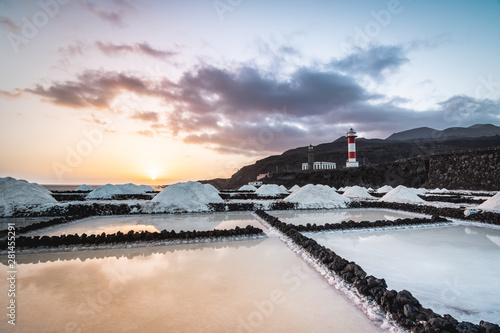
153	173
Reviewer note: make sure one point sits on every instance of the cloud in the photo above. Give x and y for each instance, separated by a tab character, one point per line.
115	12
95	89
145	116
146	133
8	24
243	110
374	62
144	48
73	49
8	94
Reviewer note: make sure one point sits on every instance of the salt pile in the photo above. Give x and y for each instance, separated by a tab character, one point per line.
270	190
250	188
295	188
210	186
333	188
19	194
384	189
283	188
439	190
420	191
316	197
84	188
492	203
189	197
402	194
108	191
146	188
358	192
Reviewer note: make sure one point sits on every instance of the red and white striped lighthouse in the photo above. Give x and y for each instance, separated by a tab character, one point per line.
351	148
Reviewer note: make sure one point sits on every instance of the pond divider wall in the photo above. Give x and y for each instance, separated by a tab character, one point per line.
130	237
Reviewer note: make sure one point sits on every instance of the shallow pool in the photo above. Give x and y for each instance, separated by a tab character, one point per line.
453	270
151	223
338	215
246	286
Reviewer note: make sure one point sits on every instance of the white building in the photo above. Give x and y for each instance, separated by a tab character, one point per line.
320	166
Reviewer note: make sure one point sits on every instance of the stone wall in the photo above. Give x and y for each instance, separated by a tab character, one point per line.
478	170
473	170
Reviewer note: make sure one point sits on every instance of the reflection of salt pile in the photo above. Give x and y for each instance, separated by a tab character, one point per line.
249	188
189	197
295	188
108	191
384	189
317	196
358	192
492	203
84	188
21	194
270	190
401	194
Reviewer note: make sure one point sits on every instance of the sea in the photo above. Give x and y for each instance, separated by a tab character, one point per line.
69	188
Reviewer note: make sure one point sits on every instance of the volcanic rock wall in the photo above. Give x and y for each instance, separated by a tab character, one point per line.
475	171
471	170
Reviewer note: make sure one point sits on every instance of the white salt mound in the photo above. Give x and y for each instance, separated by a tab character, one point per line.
146	188
402	194
439	190
212	187
358	192
19	194
316	197
270	190
419	190
384	189
492	203
108	191
248	188
189	197
84	188
283	188
342	189
333	188
295	188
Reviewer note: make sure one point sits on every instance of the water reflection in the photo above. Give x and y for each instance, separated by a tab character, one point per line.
337	216
254	286
452	269
151	223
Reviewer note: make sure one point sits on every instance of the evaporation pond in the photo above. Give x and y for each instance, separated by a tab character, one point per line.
151	223
245	286
452	270
322	217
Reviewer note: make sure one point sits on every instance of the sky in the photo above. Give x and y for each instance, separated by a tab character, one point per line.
157	92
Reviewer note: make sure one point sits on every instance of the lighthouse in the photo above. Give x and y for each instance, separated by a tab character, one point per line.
310	157
351	148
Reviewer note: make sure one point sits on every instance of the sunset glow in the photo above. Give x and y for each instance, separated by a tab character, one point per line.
158	92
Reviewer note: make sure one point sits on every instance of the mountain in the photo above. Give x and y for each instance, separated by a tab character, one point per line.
372	151
474	131
416	133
